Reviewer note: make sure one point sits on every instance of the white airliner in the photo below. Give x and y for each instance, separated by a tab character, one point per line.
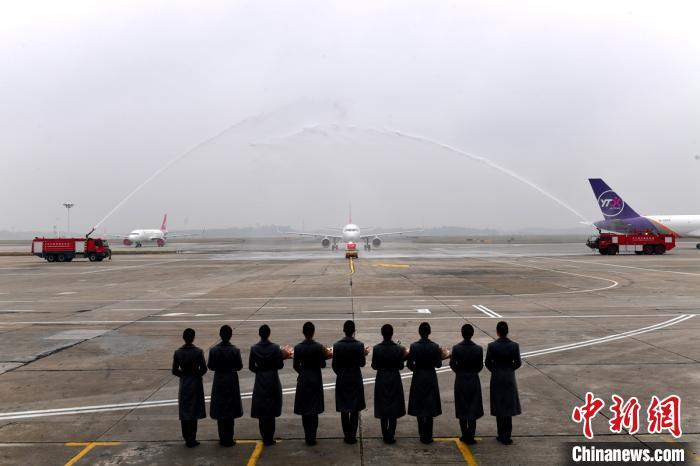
158	237
351	233
621	218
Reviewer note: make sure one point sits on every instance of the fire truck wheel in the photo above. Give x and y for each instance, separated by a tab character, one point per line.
611	250
602	252
648	249
660	249
50	258
92	257
61	258
697	246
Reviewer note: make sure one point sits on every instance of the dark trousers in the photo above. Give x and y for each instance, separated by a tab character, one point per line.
468	427
310	423
350	420
388	427
189	431
505	427
425	428
225	431
267	429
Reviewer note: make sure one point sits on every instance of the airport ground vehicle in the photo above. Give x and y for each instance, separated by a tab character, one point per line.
644	243
67	249
351	250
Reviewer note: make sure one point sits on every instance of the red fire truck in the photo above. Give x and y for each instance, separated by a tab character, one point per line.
67	249
610	244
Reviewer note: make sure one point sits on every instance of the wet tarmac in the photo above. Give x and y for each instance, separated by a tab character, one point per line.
86	348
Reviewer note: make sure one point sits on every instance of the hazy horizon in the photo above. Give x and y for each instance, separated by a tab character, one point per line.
98	97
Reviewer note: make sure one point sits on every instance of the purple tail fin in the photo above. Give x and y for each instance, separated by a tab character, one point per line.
611	204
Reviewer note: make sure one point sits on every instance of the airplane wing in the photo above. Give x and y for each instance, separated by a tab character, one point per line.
114	236
390	233
183	235
313	235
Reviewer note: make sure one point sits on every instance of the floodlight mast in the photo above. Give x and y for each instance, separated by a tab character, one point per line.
68	206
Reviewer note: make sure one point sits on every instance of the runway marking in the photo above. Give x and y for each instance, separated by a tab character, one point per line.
419	311
177	314
614	283
352	266
8	416
87	447
463	448
333	319
486	310
63	293
626	266
402	266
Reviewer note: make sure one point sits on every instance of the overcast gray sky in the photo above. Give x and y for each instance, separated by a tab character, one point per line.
96	96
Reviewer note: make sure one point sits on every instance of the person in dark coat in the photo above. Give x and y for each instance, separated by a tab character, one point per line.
265	360
309	359
389	404
189	366
424	397
225	361
503	359
348	357
467	360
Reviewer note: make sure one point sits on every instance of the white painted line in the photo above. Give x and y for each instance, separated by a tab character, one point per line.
490	311
178	314
419	311
134	309
627	267
333	319
8	416
63	293
485	310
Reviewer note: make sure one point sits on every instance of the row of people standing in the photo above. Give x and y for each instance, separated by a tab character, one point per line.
348	357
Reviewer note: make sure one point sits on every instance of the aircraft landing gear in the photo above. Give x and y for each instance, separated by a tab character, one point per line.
334	246
697	246
138	245
368	247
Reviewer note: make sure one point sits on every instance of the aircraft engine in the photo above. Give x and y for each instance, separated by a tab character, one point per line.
127	242
376	242
160	242
325	242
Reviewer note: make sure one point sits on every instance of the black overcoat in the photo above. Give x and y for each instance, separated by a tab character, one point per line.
424	398
502	359
309	359
225	361
387	360
265	360
348	357
189	365
466	361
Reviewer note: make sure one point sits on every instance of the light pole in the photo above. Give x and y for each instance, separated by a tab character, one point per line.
68	206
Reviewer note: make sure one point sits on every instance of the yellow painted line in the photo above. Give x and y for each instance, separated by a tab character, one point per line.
252	461
402	266
463	448
352	266
87	447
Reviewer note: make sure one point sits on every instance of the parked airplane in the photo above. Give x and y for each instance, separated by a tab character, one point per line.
159	237
350	233
621	218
